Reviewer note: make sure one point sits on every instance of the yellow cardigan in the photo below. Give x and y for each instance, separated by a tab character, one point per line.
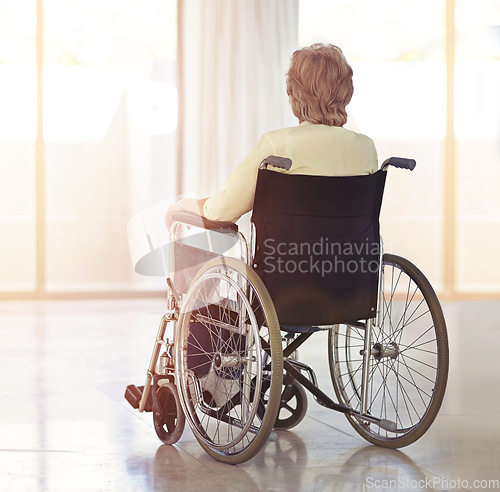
314	149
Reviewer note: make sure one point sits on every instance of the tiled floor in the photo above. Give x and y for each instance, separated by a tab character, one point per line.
65	426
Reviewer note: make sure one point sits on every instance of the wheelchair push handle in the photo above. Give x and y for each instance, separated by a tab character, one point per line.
400	162
276	161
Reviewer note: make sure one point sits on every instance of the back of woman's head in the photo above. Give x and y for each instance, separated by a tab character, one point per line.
319	84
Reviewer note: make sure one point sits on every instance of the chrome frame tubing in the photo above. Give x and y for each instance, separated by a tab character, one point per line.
371	324
152	363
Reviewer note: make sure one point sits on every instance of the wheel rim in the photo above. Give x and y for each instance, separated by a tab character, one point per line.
221	364
404	366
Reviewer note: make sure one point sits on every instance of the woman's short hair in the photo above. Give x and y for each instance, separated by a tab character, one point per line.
319	84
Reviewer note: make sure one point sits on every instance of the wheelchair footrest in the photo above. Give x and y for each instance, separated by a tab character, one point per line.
133	395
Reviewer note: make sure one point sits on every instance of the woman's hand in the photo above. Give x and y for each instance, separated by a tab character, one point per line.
185	205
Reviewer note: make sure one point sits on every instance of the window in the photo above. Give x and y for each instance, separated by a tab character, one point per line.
477	130
109	124
17	145
399	101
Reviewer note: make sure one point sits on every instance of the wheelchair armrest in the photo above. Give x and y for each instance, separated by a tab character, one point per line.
199	221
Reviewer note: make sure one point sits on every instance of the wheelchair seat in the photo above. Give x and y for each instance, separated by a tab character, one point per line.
318	246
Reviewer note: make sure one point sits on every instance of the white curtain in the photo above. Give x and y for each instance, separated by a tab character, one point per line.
235	55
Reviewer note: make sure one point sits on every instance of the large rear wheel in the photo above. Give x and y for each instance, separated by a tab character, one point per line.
229	360
408	363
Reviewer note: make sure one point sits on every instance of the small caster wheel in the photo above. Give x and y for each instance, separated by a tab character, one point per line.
293	404
168	416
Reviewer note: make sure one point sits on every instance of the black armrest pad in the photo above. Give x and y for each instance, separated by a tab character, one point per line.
198	221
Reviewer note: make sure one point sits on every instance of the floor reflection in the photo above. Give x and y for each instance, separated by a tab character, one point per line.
375	468
64	424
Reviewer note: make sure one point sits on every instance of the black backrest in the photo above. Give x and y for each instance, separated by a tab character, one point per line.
318	245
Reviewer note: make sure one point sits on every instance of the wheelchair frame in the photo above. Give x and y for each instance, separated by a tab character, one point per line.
163	370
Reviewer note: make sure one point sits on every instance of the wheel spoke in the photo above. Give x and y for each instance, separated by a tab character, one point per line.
231	338
409	363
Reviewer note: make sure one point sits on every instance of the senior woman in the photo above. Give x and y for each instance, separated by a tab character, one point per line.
319	86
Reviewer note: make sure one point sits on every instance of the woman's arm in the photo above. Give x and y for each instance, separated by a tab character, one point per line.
238	194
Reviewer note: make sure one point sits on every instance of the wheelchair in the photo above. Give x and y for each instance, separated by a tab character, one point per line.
239	312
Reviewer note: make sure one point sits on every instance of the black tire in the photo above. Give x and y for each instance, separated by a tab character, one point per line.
229	360
293	404
168	417
409	362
